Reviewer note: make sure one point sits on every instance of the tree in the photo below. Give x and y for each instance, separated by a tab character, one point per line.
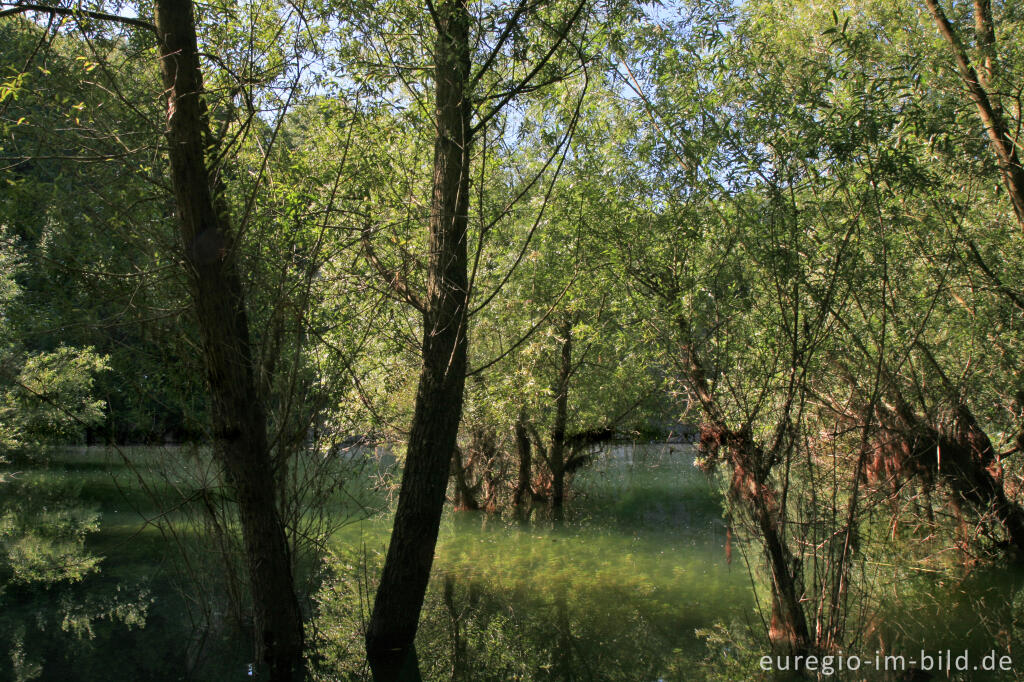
45	397
438	407
810	289
982	83
239	421
210	252
458	99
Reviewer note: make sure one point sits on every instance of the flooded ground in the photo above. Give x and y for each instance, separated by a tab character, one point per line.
635	585
622	590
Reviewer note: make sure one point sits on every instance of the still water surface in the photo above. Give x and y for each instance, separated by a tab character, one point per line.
634	586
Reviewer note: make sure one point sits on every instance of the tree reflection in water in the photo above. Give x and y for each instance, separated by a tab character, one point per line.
612	596
60	614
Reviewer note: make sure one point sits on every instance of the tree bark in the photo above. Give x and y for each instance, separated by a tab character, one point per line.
557	458
438	406
239	419
465	500
985	35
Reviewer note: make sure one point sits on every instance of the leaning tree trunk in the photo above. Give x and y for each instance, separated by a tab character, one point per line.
979	88
239	420
962	457
438	406
750	492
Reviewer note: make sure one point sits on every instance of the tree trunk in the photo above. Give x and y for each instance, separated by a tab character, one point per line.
438	406
523	492
985	35
979	88
465	500
962	459
557	458
788	629
751	494
239	420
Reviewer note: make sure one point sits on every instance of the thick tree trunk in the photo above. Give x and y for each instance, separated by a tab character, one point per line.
963	459
438	406
557	458
239	420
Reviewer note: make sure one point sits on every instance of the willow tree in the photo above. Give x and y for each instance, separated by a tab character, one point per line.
479	66
823	277
209	243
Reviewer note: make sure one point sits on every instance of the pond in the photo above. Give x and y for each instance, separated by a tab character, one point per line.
637	584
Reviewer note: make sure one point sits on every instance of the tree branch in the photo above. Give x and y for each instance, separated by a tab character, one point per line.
394	278
541	63
77	13
991	117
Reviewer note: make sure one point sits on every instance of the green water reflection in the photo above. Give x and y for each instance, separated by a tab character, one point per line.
617	593
634	586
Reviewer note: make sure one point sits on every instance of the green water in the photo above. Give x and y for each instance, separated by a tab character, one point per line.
618	592
634	586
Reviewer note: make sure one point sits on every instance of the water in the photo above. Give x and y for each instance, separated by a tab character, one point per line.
619	592
634	586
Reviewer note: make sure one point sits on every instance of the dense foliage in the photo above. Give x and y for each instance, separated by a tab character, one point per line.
794	228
